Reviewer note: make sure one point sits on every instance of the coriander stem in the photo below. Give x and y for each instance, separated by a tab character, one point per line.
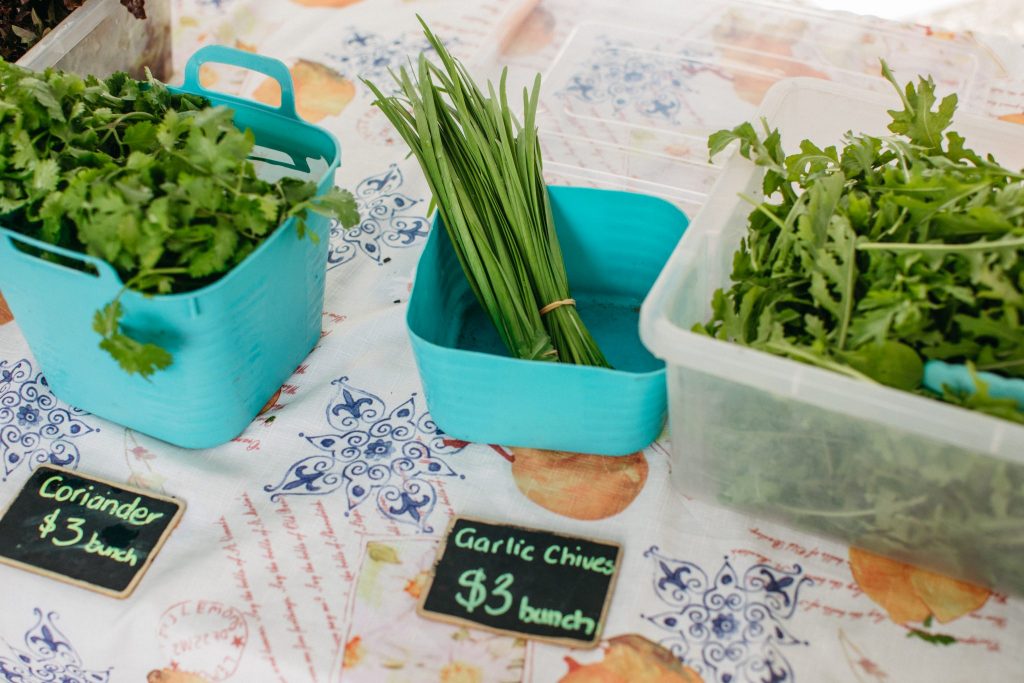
147	273
111	125
204	171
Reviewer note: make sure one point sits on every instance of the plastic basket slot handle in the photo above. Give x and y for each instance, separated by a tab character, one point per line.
14	246
268	66
296	162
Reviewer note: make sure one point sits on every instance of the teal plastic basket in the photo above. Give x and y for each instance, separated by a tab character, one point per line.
614	245
234	342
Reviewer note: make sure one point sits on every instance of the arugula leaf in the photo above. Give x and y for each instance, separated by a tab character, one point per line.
918	121
883	253
767	152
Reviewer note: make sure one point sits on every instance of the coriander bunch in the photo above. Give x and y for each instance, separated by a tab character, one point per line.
158	185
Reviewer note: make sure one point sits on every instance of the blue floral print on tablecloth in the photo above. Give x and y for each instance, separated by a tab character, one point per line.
364	54
388	221
647	82
730	628
35	427
48	656
388	455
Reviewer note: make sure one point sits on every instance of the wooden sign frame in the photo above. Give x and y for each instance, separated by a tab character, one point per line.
460	621
130	588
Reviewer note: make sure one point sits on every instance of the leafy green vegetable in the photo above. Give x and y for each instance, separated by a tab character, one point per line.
868	259
131	355
159	185
889	251
484	171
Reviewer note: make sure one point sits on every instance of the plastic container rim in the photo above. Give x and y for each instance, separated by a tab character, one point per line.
508	359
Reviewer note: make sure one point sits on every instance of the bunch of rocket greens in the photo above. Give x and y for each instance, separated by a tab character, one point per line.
484	171
872	258
157	184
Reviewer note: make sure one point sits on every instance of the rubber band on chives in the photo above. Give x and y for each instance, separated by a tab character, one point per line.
556	304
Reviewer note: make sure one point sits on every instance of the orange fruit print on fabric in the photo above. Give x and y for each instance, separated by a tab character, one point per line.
631	659
912	594
319	91
5	313
578	485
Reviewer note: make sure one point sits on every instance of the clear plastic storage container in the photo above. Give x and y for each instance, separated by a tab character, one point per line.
102	37
901	474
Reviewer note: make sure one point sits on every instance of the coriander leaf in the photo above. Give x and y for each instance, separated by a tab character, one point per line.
140	136
41	92
269	207
338	203
45	174
133	356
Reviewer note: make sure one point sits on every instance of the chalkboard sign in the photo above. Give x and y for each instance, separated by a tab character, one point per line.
522	581
86	531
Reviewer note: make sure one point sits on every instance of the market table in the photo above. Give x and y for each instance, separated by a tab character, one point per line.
305	547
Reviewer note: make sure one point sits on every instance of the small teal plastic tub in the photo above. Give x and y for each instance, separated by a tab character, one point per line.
614	245
234	342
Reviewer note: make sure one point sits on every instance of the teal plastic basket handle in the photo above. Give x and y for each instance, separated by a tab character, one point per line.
268	66
106	277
